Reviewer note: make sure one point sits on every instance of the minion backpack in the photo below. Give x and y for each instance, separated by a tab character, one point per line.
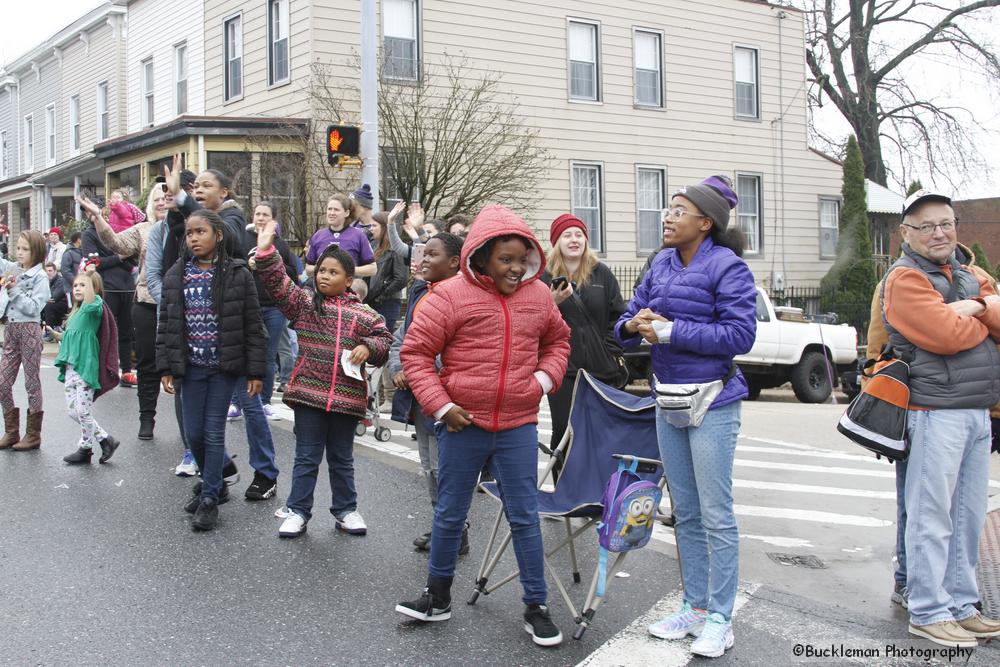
630	504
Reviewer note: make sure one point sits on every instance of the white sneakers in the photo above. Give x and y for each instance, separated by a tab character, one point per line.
352	524
293	526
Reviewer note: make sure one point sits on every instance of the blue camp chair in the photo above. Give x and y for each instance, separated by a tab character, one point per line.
605	424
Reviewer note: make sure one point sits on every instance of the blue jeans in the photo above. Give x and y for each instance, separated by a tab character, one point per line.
288	349
513	459
900	573
205	402
948	472
259	441
275	323
389	310
699	466
318	431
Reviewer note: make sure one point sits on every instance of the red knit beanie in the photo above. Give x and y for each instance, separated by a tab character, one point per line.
564	222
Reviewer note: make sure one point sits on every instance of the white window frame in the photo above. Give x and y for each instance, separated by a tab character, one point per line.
596	235
103	114
51	146
835	227
4	156
232	51
147	92
74	124
756	83
388	72
180	79
597	64
28	130
752	251
658	34
662	171
284	13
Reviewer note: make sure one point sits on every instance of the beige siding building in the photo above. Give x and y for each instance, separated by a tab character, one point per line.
632	101
60	99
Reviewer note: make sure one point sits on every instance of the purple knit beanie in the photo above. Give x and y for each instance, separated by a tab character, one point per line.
363	195
714	197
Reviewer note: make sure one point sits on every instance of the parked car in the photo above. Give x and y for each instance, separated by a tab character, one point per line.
789	348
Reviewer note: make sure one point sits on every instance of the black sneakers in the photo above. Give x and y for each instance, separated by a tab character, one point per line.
191	506
206	516
108	447
433	605
423	543
538	623
261	488
81	455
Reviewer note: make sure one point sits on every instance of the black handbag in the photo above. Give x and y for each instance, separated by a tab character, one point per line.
600	353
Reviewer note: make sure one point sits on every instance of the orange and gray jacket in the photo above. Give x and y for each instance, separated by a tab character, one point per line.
954	362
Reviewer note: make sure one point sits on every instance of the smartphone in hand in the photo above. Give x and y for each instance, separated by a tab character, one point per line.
417	258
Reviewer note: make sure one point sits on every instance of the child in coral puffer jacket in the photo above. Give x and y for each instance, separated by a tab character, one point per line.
496	321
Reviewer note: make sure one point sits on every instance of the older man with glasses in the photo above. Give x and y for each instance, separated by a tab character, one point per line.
944	321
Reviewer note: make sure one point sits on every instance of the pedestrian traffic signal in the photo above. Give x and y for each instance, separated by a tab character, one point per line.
342	140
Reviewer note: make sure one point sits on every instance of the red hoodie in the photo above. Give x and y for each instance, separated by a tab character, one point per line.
490	344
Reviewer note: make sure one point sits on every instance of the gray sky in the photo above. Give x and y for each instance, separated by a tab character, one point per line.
27	23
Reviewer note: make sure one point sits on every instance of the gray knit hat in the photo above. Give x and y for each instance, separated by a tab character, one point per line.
714	197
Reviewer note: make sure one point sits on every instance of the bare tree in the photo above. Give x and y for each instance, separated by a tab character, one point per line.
453	142
860	53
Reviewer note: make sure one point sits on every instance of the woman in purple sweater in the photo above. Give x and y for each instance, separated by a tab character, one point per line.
696	307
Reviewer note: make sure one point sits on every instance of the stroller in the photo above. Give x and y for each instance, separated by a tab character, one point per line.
605	425
372	417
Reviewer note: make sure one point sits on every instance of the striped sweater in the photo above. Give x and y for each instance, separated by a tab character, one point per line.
318	380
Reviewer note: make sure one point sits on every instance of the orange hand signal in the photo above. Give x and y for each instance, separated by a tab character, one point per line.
335	140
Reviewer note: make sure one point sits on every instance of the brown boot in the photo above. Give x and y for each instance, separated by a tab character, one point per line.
12	421
32	433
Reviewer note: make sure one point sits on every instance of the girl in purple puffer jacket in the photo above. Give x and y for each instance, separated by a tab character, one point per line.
696	306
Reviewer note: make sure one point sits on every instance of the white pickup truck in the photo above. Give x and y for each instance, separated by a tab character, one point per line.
788	348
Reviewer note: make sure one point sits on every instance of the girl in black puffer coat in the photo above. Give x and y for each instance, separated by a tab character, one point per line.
210	333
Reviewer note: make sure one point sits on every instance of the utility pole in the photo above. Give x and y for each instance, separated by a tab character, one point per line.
369	100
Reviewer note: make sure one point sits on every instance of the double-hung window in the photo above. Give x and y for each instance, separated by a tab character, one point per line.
233	28
148	87
180	80
650	198
74	124
103	117
749	211
584	61
587	198
401	48
29	144
648	55
746	74
4	157
50	134
829	227
277	42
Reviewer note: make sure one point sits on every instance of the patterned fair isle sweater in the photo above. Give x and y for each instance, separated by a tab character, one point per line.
200	317
318	380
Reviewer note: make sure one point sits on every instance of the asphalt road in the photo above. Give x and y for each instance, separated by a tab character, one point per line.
98	564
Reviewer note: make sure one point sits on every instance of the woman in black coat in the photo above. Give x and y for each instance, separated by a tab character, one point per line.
391	275
589	299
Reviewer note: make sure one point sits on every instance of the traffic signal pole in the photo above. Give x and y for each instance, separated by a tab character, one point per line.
369	101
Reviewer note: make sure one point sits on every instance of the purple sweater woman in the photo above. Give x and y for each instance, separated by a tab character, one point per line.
696	307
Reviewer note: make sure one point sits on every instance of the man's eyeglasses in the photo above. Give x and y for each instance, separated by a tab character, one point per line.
947	227
675	213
